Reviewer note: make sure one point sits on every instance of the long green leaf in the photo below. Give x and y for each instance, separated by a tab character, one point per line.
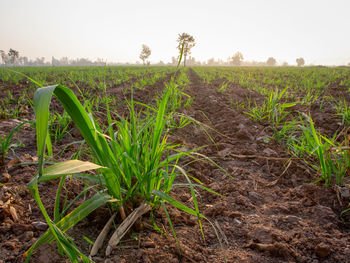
88	129
42	99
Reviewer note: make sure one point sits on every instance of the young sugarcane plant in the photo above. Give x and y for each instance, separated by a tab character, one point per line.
6	145
134	161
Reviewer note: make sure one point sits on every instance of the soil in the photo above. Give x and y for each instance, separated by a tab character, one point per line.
269	211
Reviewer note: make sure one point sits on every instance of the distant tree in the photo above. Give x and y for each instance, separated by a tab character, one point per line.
64	61
55	62
174	61
145	53
236	59
211	62
39	61
191	61
188	42
100	62
81	62
23	61
220	62
300	62
285	64
10	58
13	55
349	64
271	61
4	57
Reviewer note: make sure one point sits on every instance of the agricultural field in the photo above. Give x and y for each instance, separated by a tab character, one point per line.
166	164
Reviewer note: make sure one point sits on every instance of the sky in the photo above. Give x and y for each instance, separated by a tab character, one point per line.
317	30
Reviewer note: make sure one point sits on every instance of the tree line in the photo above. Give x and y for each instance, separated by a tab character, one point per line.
185	44
12	58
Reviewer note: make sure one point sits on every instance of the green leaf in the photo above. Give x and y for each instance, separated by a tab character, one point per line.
88	240
176	203
42	99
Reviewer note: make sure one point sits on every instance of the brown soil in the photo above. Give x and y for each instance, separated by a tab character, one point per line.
269	212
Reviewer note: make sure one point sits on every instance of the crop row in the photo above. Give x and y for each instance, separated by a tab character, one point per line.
286	92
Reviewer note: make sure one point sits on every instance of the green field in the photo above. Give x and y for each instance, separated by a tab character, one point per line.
129	137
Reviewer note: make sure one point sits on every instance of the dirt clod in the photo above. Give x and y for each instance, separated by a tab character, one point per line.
10	245
19	228
262	235
4	178
27	236
38	225
322	250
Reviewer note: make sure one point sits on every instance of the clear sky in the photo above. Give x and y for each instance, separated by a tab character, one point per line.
318	30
